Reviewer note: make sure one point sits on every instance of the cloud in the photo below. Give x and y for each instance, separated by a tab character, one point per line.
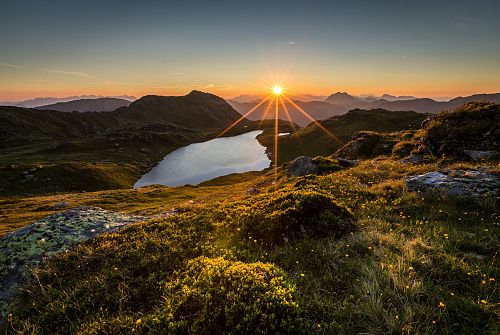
69	73
177	73
290	42
468	24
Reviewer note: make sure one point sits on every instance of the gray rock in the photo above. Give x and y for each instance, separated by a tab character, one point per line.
145	150
60	205
252	191
412	159
302	166
477	155
463	183
347	162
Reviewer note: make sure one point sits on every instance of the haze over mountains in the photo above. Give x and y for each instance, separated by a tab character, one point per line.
37	102
342	102
88	105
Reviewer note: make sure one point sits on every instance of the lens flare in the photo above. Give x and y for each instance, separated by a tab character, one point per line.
278	99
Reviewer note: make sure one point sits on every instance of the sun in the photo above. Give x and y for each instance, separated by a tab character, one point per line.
277	90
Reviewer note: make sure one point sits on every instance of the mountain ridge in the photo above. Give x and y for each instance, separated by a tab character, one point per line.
87	105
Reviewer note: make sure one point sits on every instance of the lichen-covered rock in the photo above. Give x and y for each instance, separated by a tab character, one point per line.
302	166
464	183
23	250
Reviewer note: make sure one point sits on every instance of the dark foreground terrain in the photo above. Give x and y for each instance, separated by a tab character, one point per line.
396	232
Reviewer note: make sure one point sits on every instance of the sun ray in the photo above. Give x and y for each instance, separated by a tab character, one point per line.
276	130
268	108
319	125
292	124
244	116
287	114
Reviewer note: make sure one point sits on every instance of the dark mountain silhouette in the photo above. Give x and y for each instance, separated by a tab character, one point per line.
88	105
342	98
389	97
318	110
197	111
37	102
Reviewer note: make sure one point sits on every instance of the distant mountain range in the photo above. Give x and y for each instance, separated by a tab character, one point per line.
342	102
196	111
37	102
88	105
408	103
318	110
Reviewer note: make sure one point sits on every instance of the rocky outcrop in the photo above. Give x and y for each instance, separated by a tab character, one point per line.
471	132
302	166
368	144
463	183
23	250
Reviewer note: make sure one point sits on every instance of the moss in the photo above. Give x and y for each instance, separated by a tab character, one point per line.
326	164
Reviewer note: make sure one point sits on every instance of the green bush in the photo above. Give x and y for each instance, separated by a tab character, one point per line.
217	296
300	209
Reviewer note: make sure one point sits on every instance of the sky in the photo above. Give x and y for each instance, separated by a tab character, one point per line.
423	48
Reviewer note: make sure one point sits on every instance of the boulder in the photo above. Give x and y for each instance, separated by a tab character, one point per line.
347	162
477	155
412	159
252	191
463	183
302	166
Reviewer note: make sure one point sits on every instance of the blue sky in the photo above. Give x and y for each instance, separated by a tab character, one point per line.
425	48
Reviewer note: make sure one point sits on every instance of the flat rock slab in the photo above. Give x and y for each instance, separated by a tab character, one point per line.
23	250
464	183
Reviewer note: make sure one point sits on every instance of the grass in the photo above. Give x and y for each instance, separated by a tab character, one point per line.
314	141
417	263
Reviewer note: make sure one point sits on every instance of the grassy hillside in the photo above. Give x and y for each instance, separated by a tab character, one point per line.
389	261
51	151
313	141
349	251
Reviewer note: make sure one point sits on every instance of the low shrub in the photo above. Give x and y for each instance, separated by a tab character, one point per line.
218	296
297	209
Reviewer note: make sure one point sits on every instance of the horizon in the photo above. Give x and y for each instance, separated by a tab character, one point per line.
228	49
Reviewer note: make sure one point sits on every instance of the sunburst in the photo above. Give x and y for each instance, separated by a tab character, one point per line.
279	99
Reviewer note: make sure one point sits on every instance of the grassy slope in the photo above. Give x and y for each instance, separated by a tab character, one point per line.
418	263
313	141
